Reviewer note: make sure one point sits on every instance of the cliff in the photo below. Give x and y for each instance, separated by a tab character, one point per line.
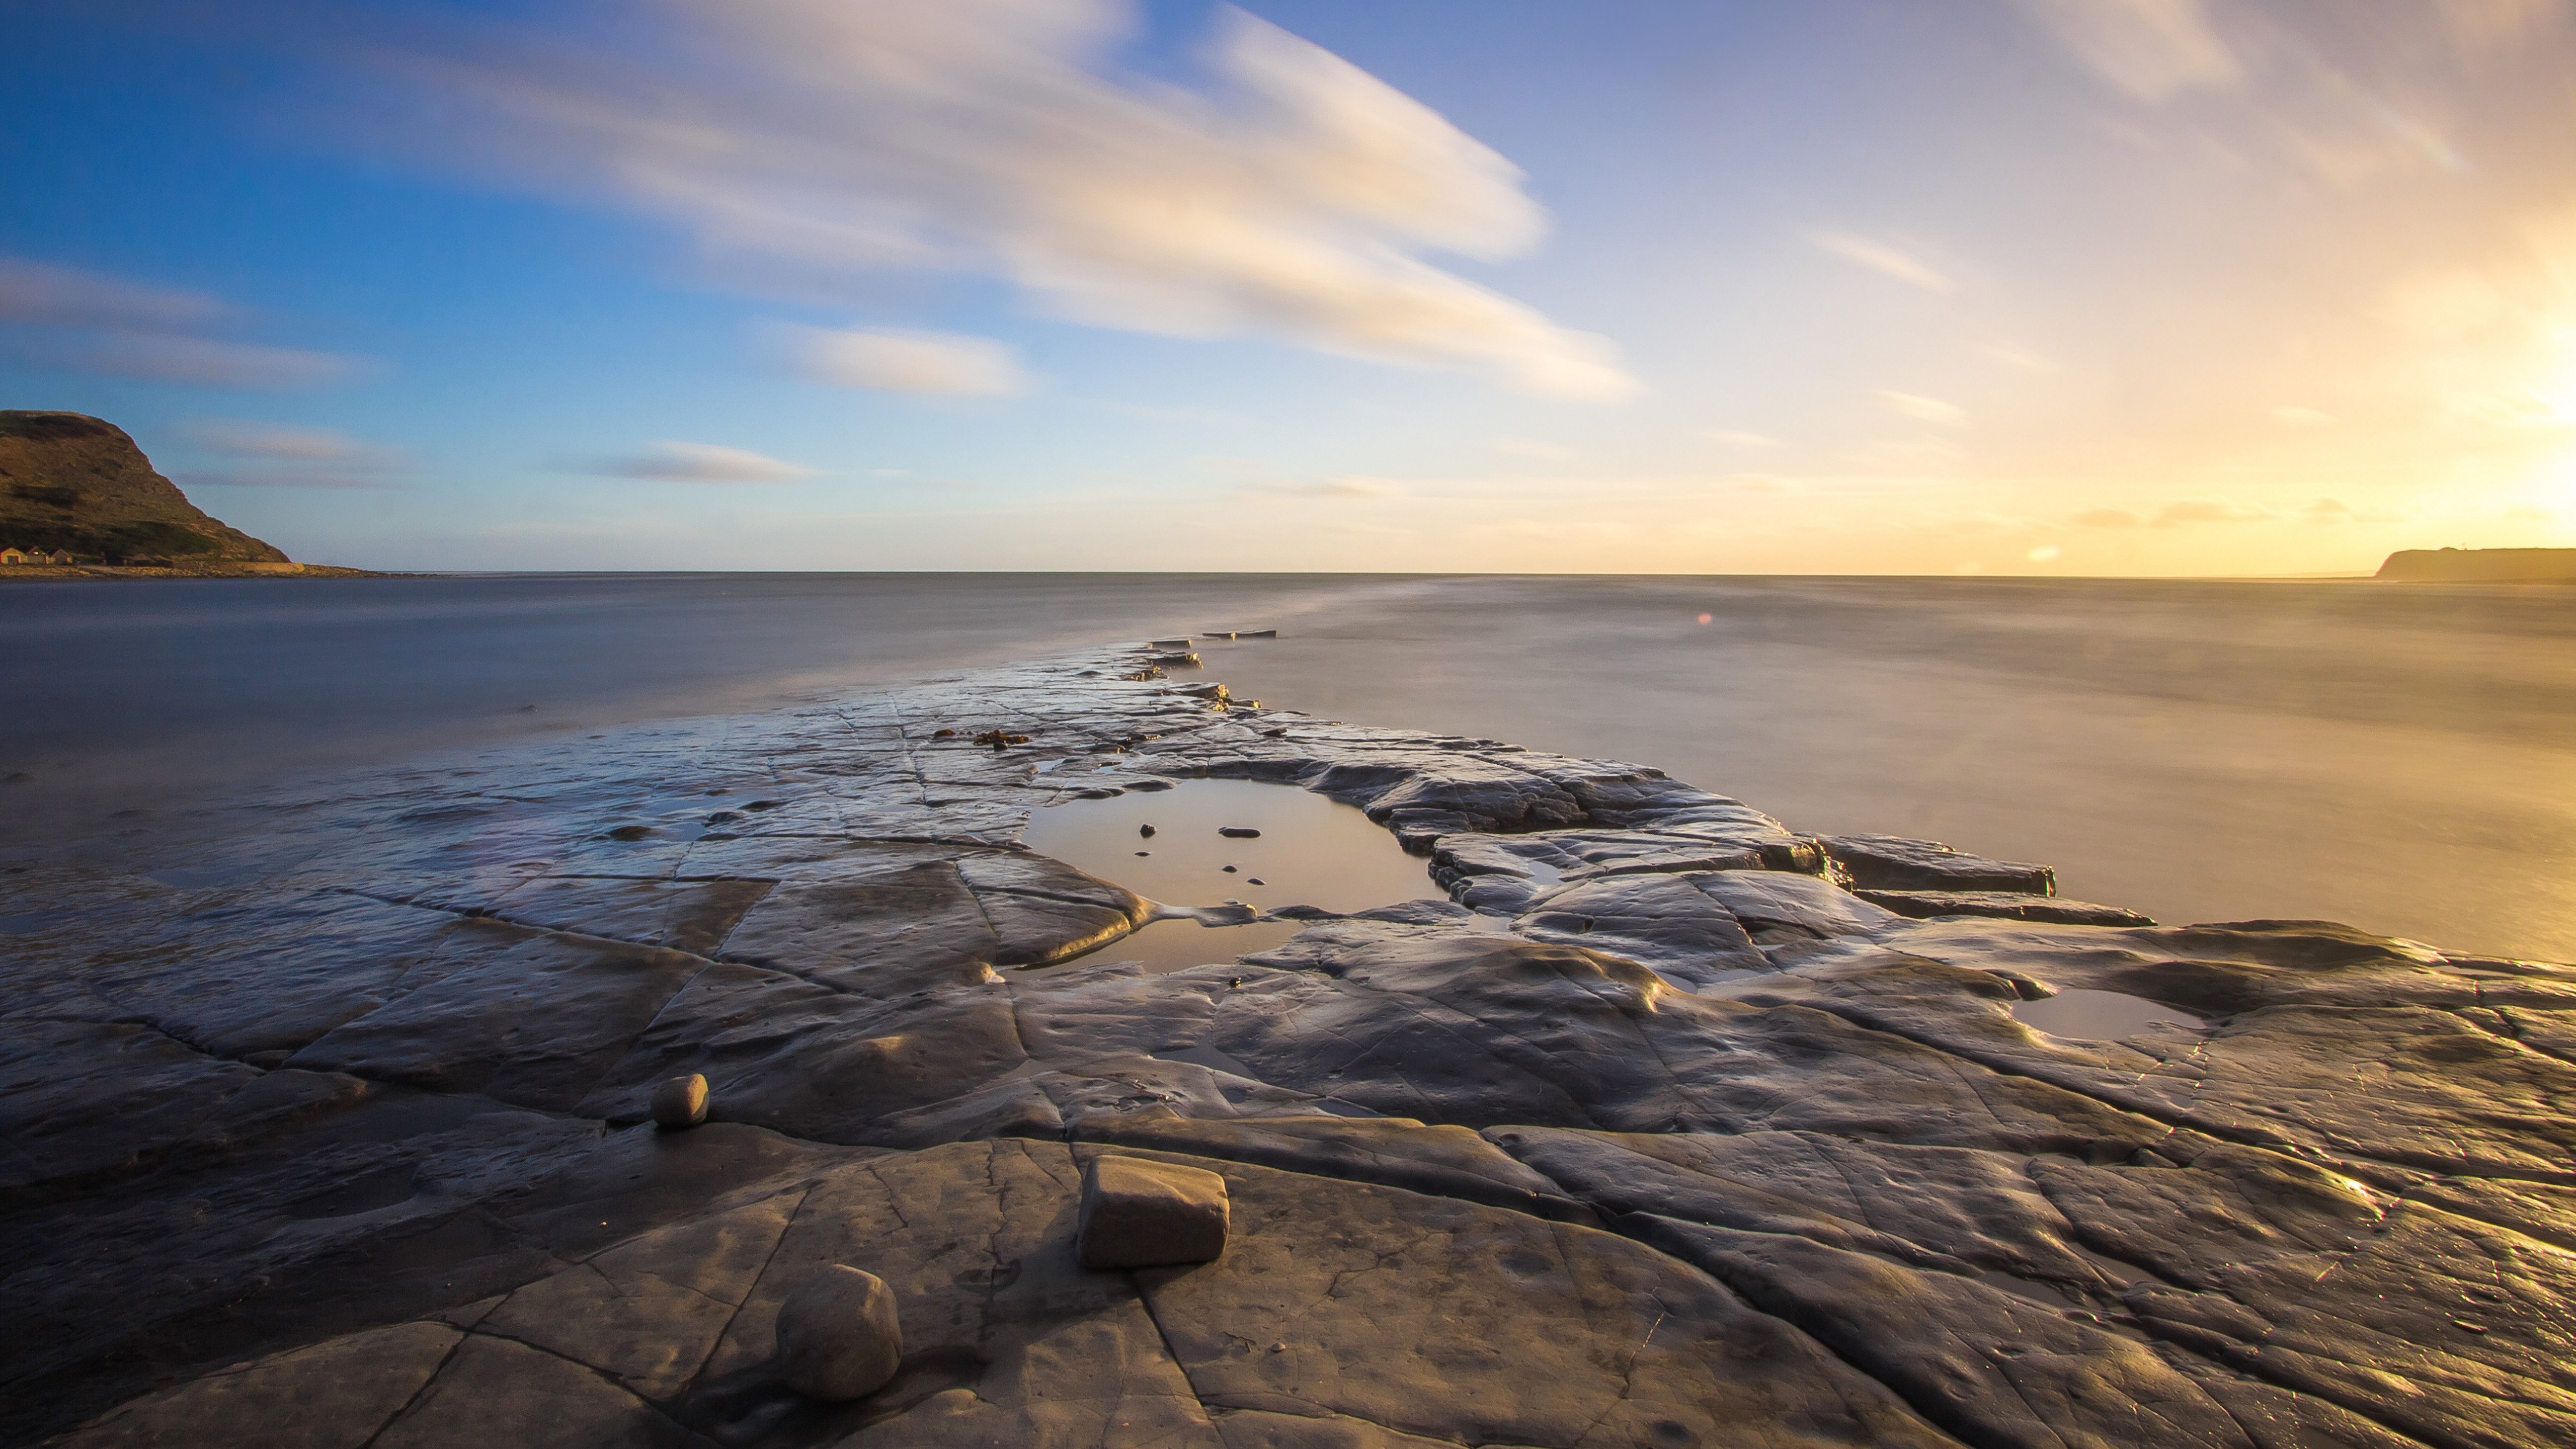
72	482
2481	566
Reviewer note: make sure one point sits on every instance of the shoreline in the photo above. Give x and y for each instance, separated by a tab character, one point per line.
32	573
1651	1125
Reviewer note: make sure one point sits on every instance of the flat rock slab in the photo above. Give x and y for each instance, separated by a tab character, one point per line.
327	1118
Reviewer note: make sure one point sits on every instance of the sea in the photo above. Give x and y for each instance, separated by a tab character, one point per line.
2401	757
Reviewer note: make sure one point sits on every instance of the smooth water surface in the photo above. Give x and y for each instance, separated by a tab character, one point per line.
2402	757
1311	851
2079	1014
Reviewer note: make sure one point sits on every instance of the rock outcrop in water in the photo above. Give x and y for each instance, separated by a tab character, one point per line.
73	483
338	1119
2481	566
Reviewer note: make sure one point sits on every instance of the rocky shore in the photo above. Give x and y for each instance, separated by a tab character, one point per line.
329	1118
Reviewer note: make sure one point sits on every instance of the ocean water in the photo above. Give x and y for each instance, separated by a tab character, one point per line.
2402	757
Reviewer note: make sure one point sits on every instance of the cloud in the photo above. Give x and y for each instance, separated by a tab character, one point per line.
1533	448
2149	48
832	139
204	362
938	364
1882	258
2045	553
1741	439
289	458
677	462
1925	409
329	479
57	296
90	322
2108	518
268	440
1347	487
2204	510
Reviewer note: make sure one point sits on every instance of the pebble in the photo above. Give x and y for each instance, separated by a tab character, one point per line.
838	1336
681	1101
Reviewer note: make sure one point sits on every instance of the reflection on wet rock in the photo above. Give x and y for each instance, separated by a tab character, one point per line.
1614	1113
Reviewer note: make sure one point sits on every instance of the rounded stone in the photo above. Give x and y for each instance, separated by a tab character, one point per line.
681	1101
838	1337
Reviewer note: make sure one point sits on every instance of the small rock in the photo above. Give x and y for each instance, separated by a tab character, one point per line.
1254	880
838	1337
681	1101
1229	870
943	734
1143	853
630	832
1146	831
1238	832
1140	1214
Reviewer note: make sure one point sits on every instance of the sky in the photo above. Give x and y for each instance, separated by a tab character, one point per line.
2083	287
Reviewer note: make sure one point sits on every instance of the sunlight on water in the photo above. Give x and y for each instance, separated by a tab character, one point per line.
1311	851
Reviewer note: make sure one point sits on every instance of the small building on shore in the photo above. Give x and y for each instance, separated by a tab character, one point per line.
13	556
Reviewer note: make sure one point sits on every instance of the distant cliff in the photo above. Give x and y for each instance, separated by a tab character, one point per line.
72	482
2481	566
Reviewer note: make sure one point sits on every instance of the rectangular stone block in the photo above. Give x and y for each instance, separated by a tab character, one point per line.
1140	1214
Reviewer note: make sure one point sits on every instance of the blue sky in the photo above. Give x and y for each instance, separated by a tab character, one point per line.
2083	286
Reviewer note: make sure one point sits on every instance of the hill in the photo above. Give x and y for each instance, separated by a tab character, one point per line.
2481	566
75	483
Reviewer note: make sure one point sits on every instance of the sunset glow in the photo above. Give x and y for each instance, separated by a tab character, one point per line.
2000	286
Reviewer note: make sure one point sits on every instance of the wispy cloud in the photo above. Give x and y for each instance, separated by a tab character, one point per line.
58	296
271	455
2149	48
1351	487
941	364
1924	409
1293	199
671	461
1735	438
1882	258
84	321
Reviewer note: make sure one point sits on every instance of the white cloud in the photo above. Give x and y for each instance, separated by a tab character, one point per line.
671	461
2149	48
1879	257
41	292
1742	439
1924	409
936	363
90	322
835	137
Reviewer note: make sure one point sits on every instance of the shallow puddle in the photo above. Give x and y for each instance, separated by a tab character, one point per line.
1311	851
1177	945
2101	1015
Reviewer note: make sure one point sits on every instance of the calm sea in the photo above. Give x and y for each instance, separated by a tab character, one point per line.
2400	757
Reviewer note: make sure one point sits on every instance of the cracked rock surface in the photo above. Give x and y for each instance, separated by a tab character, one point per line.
325	1119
